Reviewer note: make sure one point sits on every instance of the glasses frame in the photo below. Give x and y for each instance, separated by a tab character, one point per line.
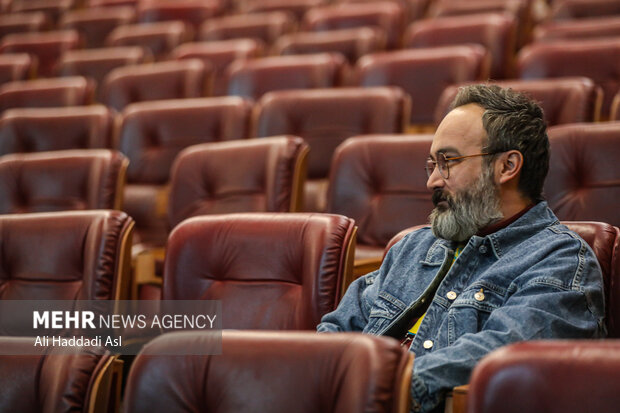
446	162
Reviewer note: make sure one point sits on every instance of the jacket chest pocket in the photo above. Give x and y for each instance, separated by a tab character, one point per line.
385	309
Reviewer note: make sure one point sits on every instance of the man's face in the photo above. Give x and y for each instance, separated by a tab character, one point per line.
468	200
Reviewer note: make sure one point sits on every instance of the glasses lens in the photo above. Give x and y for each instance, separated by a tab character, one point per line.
430	167
442	164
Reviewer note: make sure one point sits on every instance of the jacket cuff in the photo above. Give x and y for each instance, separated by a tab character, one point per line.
421	400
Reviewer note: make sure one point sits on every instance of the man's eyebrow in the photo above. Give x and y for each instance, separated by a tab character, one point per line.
446	150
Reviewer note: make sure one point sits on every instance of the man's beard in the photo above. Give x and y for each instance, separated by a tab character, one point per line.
468	211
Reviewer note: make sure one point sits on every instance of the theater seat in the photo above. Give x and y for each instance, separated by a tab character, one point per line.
582	183
563	100
94	24
276	372
594	58
605	26
23	23
53	9
155	81
252	78
80	255
159	38
41	93
270	270
423	73
52	129
325	118
17	66
191	12
579	9
266	27
295	7
151	136
568	376
62	180
53	382
377	180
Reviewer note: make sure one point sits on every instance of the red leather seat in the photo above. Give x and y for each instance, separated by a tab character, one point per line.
266	27
219	55
615	107
414	9
582	183
593	58
378	181
191	12
110	3
17	66
563	100
52	129
40	93
23	23
204	181
275	372
270	270
254	77
495	31
568	376
607	26
46	46
80	255
295	7
158	38
53	9
386	15
55	382
351	43
94	24
151	136
61	181
423	73
578	9
325	118
176	79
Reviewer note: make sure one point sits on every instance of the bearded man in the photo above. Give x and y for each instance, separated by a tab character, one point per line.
495	267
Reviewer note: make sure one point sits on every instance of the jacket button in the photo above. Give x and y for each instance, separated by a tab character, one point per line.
483	249
479	296
428	344
451	295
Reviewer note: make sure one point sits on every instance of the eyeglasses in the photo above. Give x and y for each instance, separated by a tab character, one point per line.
442	162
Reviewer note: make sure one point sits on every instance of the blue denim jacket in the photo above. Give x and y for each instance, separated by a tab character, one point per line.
534	279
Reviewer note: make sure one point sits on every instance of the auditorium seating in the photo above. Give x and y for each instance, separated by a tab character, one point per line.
62	180
46	46
191	12
153	133
155	81
53	9
17	66
583	183
270	270
266	27
325	118
220	54
276	372
578	29
496	32
41	93
69	255
23	23
52	129
593	58
94	24
568	376
388	16
378	181
55	382
615	108
252	78
578	9
423	73
351	43
160	38
563	100
295	7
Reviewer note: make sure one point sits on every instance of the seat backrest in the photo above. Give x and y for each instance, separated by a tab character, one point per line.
563	100
266	27
80	255
159	38
27	22
271	270
41	93
17	66
423	73
191	12
94	24
46	46
52	9
567	376
62	180
594	58
604	239
582	183
154	81
52	382
254	77
52	129
377	180
495	31
386	15
578	29
295	7
273	371
267	175
579	9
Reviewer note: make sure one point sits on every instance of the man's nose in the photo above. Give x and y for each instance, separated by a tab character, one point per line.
435	180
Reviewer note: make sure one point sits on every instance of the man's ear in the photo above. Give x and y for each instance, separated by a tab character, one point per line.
509	165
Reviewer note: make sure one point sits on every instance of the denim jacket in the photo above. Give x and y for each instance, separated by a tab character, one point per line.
534	279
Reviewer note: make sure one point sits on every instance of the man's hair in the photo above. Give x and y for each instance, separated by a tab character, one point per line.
513	121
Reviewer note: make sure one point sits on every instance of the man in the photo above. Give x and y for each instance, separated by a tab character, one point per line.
495	267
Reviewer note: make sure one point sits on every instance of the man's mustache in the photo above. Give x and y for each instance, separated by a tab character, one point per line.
439	196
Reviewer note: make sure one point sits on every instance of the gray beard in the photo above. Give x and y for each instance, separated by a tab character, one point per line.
468	211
